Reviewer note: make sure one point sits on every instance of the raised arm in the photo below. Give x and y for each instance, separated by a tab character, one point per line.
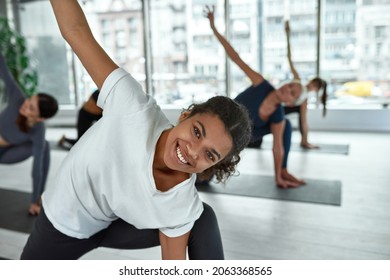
12	88
76	31
5	75
290	62
254	76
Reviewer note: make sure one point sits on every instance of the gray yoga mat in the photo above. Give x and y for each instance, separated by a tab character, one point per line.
315	191
341	149
54	147
14	213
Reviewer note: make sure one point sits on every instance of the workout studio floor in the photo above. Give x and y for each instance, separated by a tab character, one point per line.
263	228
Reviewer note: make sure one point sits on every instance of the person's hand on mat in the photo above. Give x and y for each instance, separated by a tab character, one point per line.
307	145
34	209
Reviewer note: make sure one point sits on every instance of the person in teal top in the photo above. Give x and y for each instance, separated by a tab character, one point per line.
265	106
22	132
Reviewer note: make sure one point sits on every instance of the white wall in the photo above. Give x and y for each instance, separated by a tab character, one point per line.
350	120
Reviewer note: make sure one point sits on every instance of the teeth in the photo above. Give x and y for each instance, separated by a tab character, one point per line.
180	156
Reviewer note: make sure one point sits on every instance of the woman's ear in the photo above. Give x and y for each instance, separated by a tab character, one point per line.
184	115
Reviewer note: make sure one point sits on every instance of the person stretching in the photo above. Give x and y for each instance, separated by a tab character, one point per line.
22	132
87	116
300	105
264	104
129	182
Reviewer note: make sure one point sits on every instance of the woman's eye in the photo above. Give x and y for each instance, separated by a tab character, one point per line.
210	156
197	132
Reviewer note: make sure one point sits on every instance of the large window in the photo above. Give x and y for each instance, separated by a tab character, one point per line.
244	34
302	17
48	50
188	64
355	49
118	27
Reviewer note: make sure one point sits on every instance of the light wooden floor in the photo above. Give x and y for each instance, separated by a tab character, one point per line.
255	228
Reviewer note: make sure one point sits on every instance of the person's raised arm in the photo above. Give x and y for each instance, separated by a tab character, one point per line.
76	31
254	76
290	62
5	75
12	88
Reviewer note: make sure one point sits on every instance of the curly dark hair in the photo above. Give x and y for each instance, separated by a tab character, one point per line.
237	123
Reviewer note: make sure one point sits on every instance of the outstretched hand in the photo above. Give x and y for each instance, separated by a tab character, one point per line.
208	12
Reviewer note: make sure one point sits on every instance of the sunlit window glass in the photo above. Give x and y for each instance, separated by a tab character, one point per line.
187	65
245	33
118	27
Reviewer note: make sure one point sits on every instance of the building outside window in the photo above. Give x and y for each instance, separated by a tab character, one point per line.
189	65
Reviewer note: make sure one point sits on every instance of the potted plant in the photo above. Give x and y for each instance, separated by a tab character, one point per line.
13	48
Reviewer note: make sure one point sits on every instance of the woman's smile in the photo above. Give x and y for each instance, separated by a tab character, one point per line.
180	155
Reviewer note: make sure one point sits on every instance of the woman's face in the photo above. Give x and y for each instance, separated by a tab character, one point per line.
197	143
289	92
313	87
30	108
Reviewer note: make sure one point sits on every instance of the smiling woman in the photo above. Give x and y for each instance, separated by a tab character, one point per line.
138	190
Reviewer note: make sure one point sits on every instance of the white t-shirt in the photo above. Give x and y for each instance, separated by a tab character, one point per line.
303	97
108	174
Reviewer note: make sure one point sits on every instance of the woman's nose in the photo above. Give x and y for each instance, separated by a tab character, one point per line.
192	151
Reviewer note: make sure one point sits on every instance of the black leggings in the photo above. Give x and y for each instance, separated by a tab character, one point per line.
19	153
295	109
47	243
84	121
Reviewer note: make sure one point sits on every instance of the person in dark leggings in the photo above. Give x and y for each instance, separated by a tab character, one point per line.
133	169
87	116
22	132
264	104
300	106
47	243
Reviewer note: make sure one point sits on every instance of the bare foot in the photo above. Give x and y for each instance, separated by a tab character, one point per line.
309	146
34	209
285	184
287	176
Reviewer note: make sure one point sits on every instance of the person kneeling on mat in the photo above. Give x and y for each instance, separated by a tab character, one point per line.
22	132
87	116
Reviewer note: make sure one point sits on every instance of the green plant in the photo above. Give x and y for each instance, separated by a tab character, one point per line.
13	47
